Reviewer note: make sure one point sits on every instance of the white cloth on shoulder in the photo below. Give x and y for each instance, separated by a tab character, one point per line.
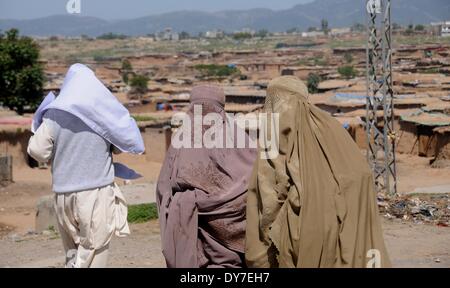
84	96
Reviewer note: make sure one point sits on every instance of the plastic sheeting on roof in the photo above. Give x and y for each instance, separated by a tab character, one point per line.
421	117
350	98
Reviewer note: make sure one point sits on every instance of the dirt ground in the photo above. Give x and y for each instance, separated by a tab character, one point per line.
409	244
140	249
414	172
18	200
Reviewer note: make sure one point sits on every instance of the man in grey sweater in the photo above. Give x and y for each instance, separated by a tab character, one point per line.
83	182
78	131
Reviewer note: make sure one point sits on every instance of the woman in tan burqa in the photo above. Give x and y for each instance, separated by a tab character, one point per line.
314	205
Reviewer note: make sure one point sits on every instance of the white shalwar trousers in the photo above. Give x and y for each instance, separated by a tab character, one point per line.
87	221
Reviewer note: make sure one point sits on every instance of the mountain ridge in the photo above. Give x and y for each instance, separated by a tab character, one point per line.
339	13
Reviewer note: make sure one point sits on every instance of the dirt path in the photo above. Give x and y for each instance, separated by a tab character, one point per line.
417	245
409	245
414	171
18	200
140	249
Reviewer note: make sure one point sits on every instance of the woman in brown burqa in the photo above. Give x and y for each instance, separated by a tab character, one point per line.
201	194
314	205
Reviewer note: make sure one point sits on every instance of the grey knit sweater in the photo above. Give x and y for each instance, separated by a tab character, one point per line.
81	159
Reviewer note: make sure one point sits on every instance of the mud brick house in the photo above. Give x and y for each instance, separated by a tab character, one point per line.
418	134
442	155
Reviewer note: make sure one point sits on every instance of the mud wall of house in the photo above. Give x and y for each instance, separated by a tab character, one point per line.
302	74
360	136
442	151
244	99
273	69
336	109
155	144
15	143
427	141
407	142
261	71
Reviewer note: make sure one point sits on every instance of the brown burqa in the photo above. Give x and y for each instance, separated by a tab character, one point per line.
314	205
201	196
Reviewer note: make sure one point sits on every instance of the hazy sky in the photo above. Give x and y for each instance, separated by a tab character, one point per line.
121	9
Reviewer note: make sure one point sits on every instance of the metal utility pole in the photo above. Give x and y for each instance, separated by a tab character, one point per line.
380	96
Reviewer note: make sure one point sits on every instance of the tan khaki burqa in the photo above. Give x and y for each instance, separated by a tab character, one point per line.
314	205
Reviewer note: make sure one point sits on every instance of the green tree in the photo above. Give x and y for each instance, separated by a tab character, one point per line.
358	27
324	24
126	65
112	36
396	26
348	57
313	82
125	78
262	33
139	84
126	70
242	36
184	35
214	70
419	27
292	30
86	37
21	75
348	72
409	30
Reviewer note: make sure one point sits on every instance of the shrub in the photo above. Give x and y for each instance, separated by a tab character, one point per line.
348	57
126	65
142	118
127	68
358	27
242	36
348	72
111	36
139	84
419	27
262	33
142	213
325	27
184	35
318	61
214	70
313	82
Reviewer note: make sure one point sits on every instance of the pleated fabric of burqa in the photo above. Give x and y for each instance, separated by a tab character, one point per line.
201	194
315	204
